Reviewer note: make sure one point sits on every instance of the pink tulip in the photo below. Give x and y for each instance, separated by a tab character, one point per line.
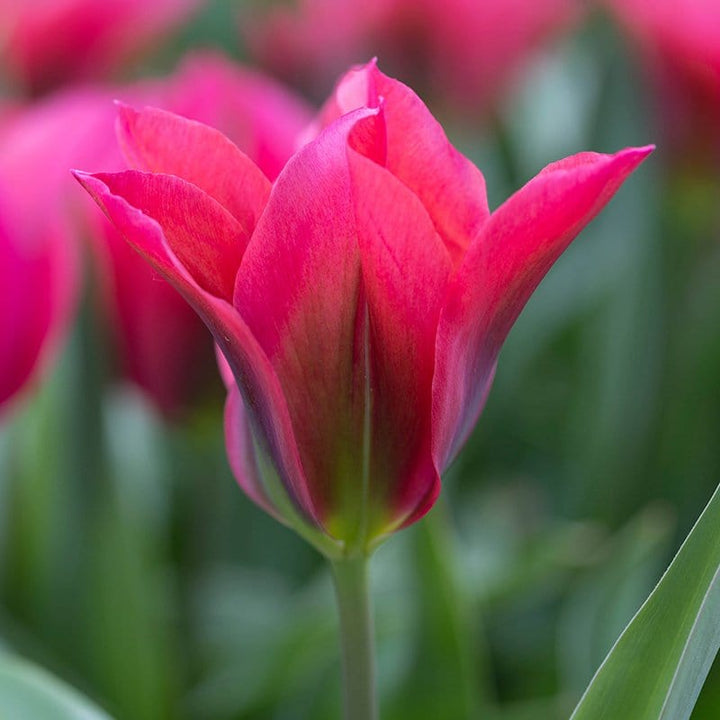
38	277
162	345
461	51
680	43
46	42
360	300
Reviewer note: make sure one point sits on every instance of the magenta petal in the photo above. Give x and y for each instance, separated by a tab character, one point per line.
224	369
518	245
204	237
450	187
38	288
255	377
158	141
405	272
242	454
299	290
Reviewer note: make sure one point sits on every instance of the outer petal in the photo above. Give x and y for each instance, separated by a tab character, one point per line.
255	377
450	187
405	271
517	247
299	291
205	238
242	454
161	142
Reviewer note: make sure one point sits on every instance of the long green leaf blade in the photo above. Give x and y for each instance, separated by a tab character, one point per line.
657	667
26	691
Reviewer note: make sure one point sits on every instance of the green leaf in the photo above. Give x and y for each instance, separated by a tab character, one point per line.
27	691
657	667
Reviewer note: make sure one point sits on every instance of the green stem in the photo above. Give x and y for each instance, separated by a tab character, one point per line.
356	636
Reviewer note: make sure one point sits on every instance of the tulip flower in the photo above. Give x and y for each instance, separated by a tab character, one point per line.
359	301
38	277
680	44
161	344
47	42
463	51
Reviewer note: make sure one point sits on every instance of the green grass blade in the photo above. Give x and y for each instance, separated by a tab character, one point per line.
658	665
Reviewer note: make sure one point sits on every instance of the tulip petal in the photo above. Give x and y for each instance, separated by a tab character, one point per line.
158	141
449	186
405	272
518	245
256	379
224	369
205	238
38	288
299	290
242	454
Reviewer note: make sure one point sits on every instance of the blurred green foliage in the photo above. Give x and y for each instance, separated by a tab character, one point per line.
133	567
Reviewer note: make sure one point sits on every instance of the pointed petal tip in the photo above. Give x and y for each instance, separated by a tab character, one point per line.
629	159
85	178
639	152
92	182
370	65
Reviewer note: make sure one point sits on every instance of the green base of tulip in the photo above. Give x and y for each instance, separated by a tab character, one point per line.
350	575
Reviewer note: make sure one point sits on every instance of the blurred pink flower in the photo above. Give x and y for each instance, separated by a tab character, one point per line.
360	300
162	345
38	278
461	51
680	42
46	42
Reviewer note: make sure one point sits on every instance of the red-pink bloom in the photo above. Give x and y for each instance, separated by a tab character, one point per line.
38	278
360	300
162	345
46	42
463	51
680	42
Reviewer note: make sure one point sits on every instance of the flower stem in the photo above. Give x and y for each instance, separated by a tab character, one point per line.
350	575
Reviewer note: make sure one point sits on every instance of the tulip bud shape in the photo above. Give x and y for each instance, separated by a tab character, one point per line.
359	301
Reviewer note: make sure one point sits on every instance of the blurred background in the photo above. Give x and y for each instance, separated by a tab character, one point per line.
132	566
